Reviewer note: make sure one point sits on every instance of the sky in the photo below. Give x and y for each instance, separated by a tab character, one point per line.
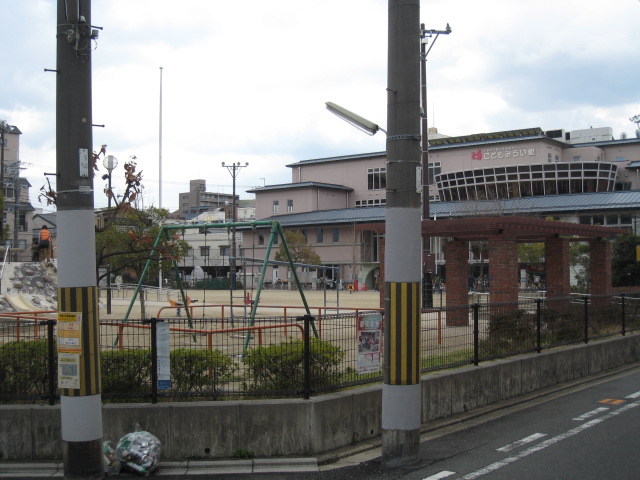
247	81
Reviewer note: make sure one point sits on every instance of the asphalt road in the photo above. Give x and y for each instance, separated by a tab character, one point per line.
589	432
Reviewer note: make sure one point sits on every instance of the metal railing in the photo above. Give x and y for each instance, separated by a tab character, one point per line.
203	358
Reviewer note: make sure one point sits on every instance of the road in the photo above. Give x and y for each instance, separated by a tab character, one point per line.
589	432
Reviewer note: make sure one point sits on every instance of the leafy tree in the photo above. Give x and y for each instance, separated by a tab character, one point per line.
531	252
126	234
300	251
126	243
625	268
579	262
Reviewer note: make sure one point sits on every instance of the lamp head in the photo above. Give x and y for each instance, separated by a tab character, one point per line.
354	119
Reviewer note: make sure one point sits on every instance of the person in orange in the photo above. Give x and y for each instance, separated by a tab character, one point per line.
44	243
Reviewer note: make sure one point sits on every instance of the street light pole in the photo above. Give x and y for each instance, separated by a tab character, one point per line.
401	390
233	169
110	163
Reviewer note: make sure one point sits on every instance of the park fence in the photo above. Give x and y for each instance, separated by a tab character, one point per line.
181	359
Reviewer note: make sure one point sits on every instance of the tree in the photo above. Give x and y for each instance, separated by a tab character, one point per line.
125	238
625	269
300	251
126	243
579	262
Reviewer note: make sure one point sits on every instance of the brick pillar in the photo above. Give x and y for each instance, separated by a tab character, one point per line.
556	261
503	268
600	267
381	275
456	257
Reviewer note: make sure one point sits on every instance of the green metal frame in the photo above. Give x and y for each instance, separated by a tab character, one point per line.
276	229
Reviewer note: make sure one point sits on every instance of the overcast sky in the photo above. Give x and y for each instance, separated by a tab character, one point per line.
247	80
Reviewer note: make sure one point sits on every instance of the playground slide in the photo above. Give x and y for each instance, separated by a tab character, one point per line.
20	304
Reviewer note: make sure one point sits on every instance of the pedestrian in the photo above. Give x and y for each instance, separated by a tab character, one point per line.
44	245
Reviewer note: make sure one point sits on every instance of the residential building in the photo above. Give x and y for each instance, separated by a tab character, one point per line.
17	208
197	200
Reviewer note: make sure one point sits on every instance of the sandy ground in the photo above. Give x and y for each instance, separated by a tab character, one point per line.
270	302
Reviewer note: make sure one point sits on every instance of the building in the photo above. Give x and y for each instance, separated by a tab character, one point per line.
17	208
197	200
583	176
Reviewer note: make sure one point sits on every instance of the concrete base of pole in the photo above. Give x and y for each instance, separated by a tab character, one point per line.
83	460
400	447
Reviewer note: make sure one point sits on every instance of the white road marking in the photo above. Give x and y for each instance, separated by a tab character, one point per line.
519	443
547	443
590	414
439	475
633	395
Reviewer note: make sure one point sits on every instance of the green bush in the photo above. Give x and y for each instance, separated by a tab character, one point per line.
125	371
199	370
515	329
23	367
280	367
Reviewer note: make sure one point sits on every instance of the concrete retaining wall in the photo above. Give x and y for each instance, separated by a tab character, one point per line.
203	430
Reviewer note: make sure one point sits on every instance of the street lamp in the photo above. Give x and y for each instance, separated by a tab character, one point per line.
233	169
110	163
354	119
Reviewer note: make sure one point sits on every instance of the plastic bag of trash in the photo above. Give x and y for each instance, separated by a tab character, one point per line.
139	452
110	462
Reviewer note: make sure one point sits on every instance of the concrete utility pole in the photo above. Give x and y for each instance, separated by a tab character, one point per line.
233	169
401	393
80	392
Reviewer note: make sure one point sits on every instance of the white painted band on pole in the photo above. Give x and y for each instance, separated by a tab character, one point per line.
81	418
76	247
401	407
403	245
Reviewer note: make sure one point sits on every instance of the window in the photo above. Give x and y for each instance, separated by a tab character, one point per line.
434	169
261	239
224	250
289	205
336	235
376	178
275	239
276	206
304	234
204	251
577	158
319	235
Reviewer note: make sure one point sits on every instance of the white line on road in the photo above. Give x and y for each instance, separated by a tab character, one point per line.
633	395
547	443
590	414
438	476
519	443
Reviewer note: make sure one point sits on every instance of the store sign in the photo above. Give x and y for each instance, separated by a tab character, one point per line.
69	349
493	154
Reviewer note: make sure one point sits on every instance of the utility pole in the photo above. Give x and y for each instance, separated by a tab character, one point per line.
80	383
3	130
233	169
401	391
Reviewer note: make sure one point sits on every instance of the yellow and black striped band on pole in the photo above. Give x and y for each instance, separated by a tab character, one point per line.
84	300
402	333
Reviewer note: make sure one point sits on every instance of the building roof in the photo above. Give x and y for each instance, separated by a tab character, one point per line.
357	156
291	186
541	205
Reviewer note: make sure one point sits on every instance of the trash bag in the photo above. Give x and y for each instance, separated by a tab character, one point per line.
139	452
110	462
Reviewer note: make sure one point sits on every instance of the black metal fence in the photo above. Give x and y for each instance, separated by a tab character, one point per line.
180	359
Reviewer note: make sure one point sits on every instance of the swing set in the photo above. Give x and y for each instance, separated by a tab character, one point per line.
276	229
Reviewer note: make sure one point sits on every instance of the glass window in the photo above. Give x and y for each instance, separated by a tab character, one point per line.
276	206
336	235
319	235
289	205
376	178
204	251
224	250
261	239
